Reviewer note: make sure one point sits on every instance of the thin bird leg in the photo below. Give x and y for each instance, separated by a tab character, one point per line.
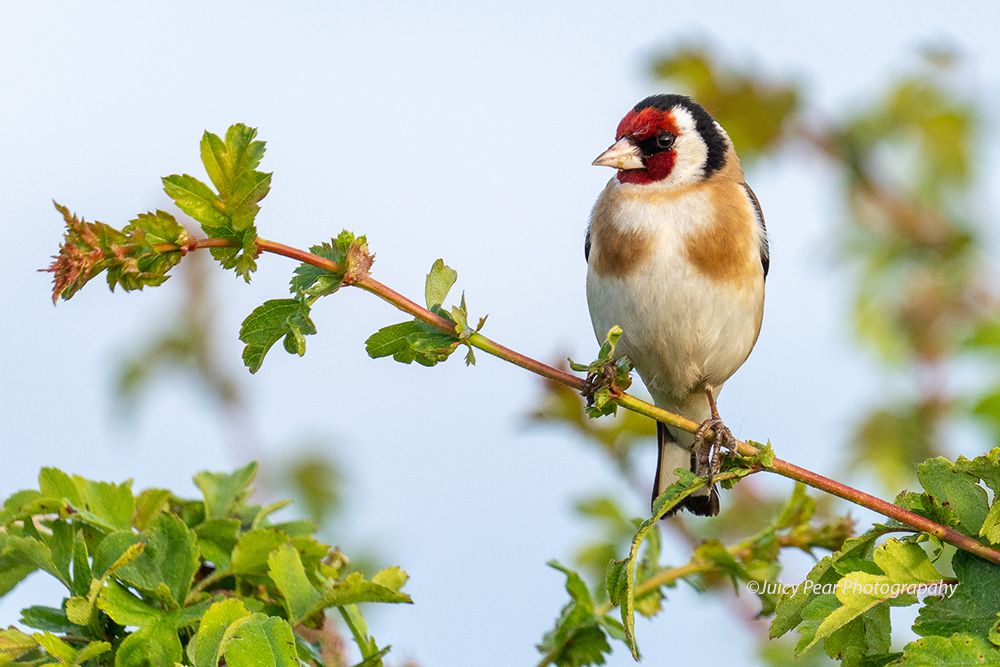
709	452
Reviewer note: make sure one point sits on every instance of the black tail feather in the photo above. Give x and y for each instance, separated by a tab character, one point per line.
700	505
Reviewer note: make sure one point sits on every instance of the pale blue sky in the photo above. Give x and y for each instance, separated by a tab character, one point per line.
462	131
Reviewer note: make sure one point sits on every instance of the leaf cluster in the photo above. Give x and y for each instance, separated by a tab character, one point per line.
845	600
417	341
154	579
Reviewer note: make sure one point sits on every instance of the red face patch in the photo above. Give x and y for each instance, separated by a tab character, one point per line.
639	126
645	123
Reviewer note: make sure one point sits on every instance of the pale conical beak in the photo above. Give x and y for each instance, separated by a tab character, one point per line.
622	155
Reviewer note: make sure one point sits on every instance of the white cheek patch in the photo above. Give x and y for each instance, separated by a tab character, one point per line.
690	149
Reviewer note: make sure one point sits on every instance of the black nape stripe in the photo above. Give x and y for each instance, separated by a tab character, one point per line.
704	123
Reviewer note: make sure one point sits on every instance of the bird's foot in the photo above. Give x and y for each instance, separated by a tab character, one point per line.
710	450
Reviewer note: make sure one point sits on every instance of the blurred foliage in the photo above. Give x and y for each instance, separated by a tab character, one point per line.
909	224
153	579
926	301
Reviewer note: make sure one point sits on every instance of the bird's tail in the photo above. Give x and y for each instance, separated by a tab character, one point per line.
675	452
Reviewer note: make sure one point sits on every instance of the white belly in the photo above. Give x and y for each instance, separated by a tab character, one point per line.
681	330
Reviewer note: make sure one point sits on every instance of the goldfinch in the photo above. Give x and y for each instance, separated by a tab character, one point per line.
677	254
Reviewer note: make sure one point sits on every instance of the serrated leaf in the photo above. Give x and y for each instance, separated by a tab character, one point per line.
969	501
262	641
286	571
197	200
215	630
48	618
972	606
168	562
251	552
823	575
225	493
271	321
578	637
904	564
958	649
124	608
155	645
355	589
407	342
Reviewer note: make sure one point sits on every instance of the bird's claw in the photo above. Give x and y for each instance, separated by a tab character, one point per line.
709	452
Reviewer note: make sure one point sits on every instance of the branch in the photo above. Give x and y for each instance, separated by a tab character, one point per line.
627	401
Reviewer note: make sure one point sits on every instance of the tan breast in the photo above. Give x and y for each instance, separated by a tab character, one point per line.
724	250
614	251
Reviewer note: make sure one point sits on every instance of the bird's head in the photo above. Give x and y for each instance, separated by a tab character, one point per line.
667	141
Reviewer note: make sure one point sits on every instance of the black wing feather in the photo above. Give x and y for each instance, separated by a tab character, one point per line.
765	251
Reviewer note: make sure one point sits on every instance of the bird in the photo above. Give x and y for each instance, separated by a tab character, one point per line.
677	256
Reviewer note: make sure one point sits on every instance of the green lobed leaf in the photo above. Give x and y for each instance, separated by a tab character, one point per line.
271	321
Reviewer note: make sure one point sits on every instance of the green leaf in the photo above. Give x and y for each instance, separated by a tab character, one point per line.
124	608
227	161
958	649
971	607
354	589
241	254
286	571
105	505
217	627
579	637
262	641
271	321
621	573
253	549
14	644
155	645
56	647
350	254
48	618
822	577
969	501
168	562
438	284
407	342
197	200
225	493
904	564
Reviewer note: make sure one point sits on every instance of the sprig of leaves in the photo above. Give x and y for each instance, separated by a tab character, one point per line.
134	256
151	578
417	341
290	320
608	376
844	602
230	211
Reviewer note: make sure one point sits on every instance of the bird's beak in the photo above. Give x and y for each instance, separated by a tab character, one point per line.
622	155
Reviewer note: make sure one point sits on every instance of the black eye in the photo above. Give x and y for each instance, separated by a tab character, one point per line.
665	140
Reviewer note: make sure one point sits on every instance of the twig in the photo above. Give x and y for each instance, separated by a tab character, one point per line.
627	401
